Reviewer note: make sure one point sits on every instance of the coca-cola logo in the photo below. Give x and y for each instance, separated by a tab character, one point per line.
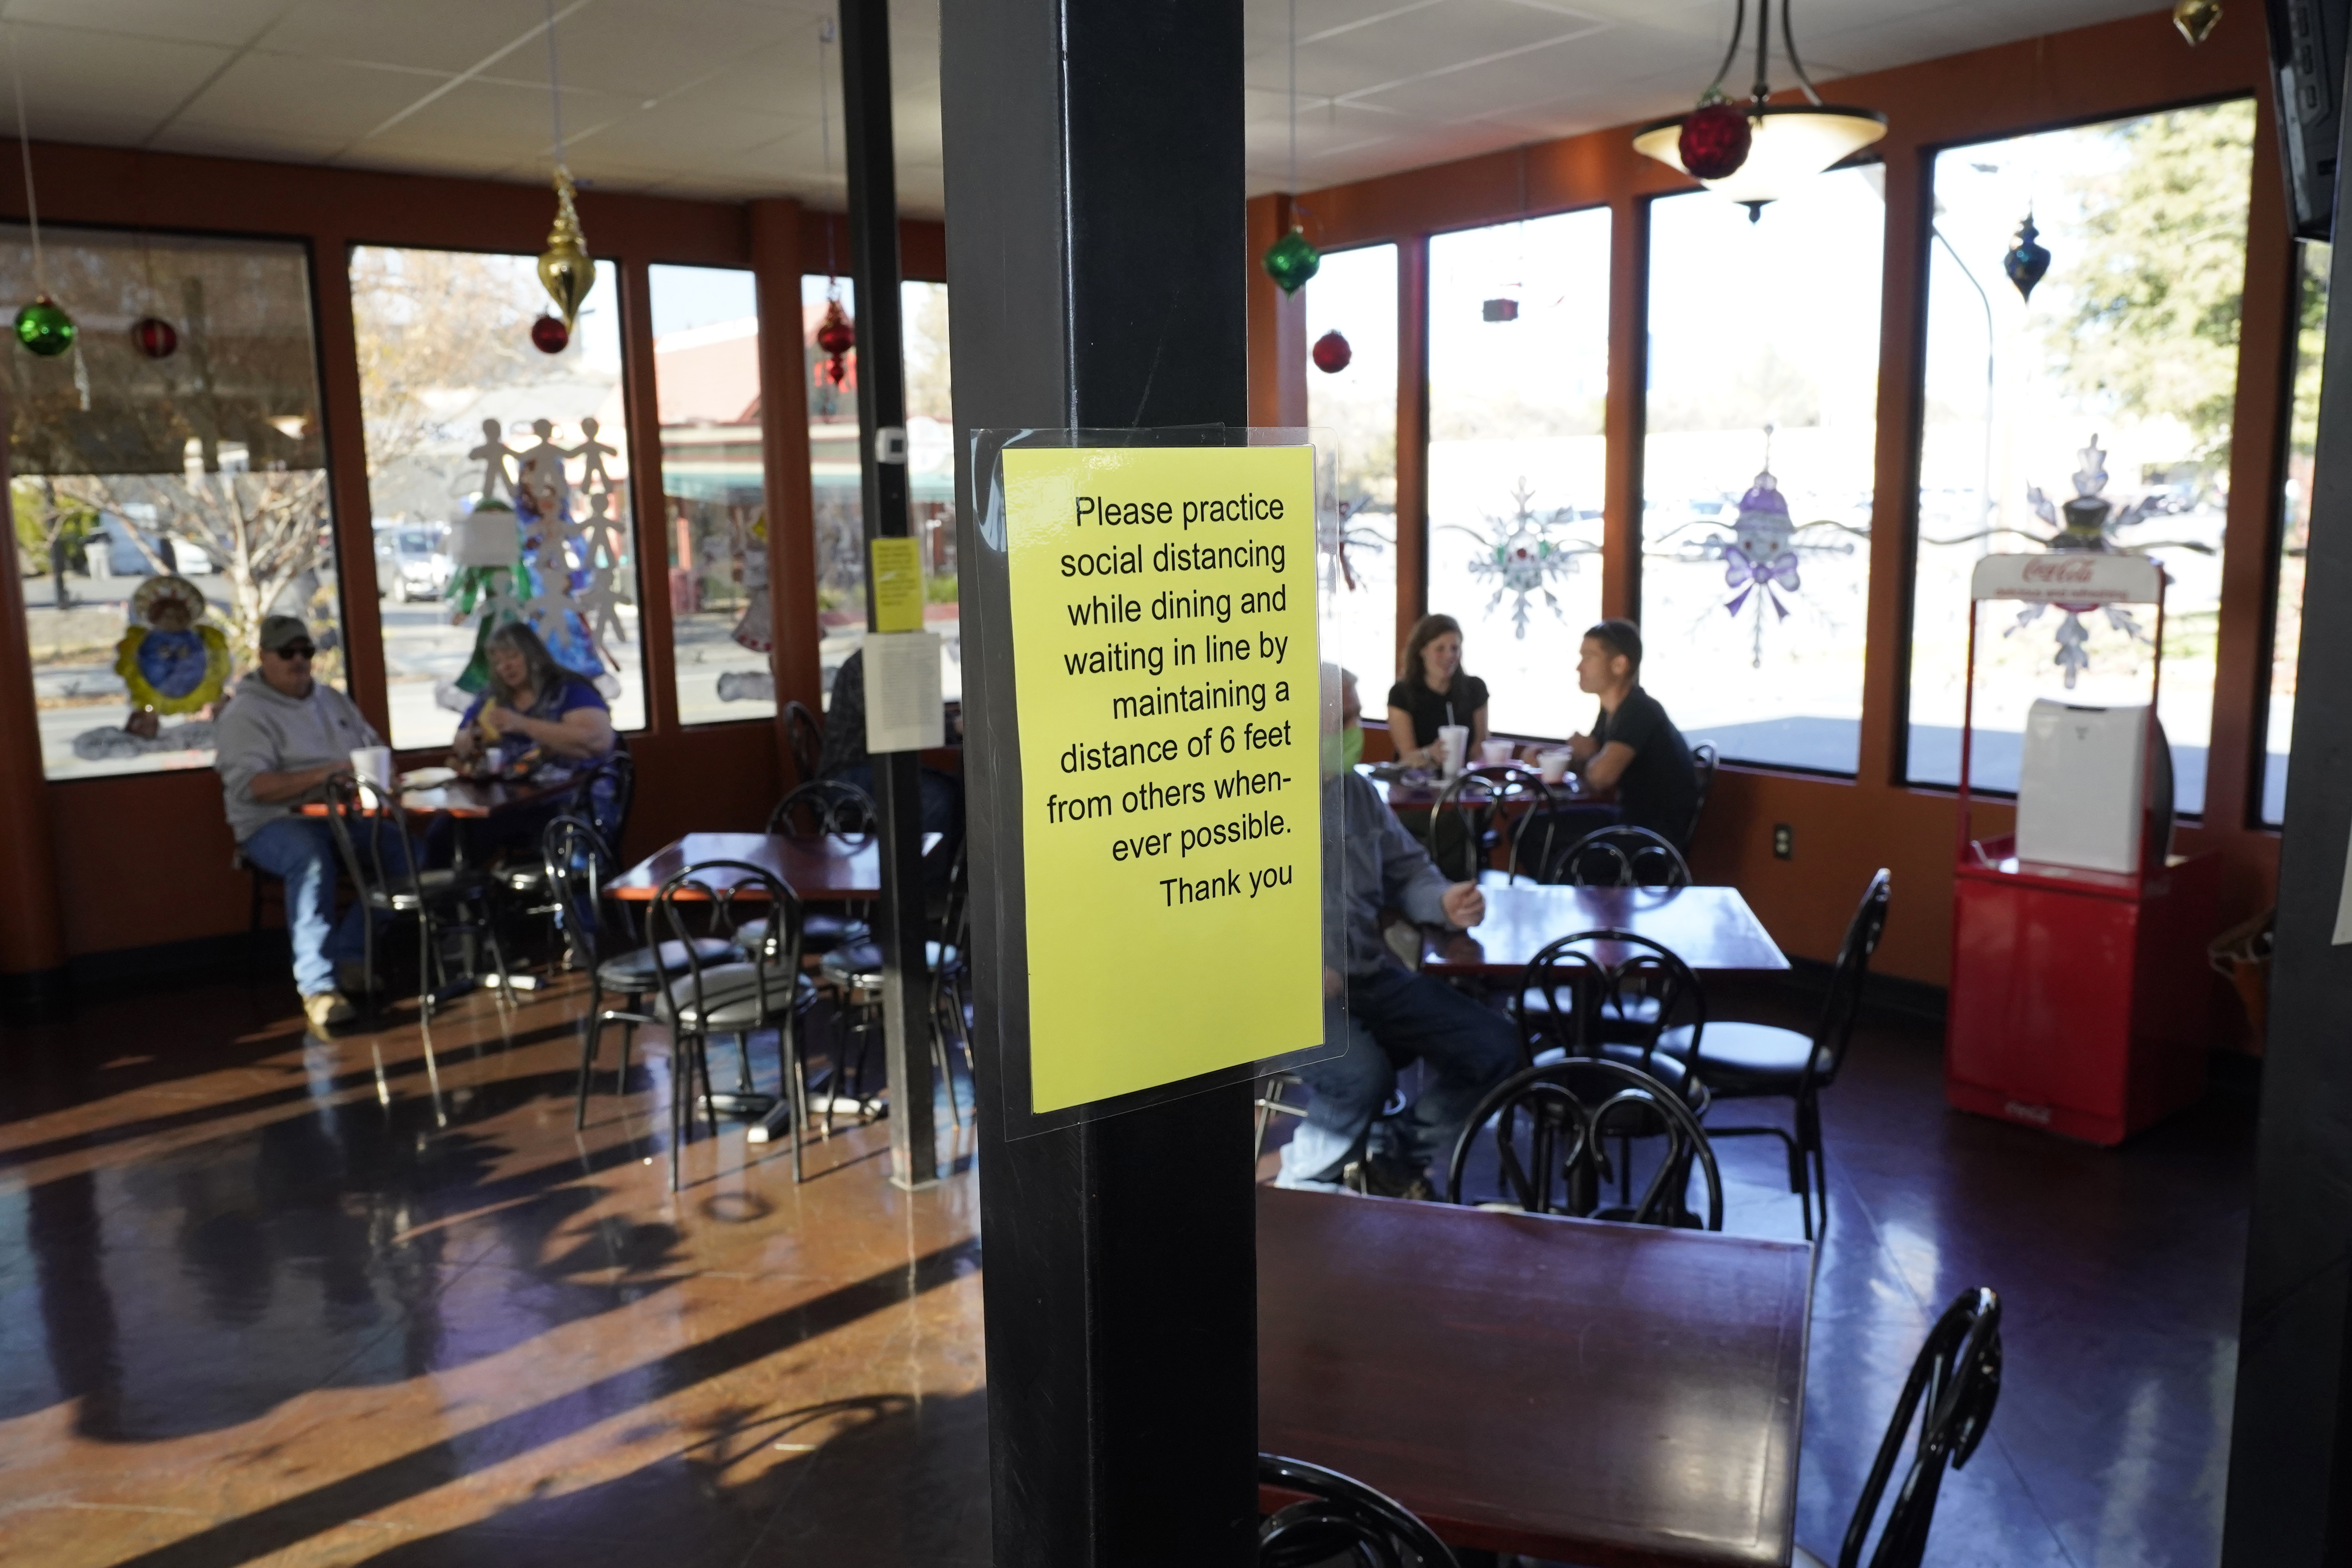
2054	569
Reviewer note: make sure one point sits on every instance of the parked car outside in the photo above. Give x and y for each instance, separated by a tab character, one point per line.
412	561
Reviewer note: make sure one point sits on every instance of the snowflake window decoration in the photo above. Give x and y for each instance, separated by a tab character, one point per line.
2091	525
1762	558
1523	555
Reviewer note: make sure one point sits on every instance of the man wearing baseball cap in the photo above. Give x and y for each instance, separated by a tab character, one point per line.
277	741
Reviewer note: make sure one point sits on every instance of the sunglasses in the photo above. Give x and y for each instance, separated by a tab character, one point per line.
296	651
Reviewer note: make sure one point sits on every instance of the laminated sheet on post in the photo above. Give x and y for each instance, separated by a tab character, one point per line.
1163	606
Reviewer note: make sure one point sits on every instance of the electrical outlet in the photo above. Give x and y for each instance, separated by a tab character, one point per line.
1784	842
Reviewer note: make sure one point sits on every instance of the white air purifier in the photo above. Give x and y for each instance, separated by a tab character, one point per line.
2082	787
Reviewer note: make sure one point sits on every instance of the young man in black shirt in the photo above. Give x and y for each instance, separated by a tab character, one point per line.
1635	749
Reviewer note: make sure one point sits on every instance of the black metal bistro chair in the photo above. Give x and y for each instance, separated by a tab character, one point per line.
1621	857
1342	1520
597	934
1617	995
382	858
854	970
1758	1061
826	808
1704	761
600	797
757	987
1953	1387
1550	1125
805	733
1474	812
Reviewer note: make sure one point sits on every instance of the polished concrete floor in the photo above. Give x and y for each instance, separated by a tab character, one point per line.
257	1306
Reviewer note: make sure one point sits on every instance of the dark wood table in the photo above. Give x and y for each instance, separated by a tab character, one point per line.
1618	1396
465	798
826	868
1710	928
1419	793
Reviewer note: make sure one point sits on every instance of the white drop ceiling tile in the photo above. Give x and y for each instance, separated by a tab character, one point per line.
1478	91
302	99
228	22
608	47
71	74
435	34
677	134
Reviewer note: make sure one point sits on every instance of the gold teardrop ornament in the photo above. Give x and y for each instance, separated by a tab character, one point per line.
565	268
2196	19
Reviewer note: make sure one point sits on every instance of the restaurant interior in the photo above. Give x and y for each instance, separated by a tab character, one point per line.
1918	1140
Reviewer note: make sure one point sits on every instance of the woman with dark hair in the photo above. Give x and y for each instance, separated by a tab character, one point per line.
536	718
533	704
1431	691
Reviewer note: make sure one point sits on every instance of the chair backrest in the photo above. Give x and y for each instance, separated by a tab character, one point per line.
1952	1388
605	792
713	891
579	863
822	807
1843	1004
1567	1108
1341	1517
1621	857
1464	823
805	733
1573	982
372	838
1704	757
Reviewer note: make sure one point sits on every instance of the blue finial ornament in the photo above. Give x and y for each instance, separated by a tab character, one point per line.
2026	261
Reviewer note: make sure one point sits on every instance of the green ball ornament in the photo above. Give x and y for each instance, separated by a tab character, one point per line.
45	328
1290	261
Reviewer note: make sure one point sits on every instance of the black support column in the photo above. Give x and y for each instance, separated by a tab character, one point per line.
2290	1498
1096	258
899	927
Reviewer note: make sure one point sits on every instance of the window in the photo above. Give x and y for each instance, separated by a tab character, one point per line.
2121	372
836	479
1355	294
706	322
206	463
1518	369
1757	457
2295	523
454	396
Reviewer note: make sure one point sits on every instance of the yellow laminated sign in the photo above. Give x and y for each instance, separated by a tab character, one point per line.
1165	661
897	585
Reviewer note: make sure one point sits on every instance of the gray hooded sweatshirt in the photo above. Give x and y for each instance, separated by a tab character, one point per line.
263	730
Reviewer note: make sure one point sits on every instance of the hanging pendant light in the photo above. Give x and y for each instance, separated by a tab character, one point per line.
1786	144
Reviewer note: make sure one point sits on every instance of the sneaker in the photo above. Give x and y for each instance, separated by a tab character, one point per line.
1379	1179
326	1008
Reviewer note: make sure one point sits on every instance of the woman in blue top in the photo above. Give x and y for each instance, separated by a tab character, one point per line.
537	714
534	703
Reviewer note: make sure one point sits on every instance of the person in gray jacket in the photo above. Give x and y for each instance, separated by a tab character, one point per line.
281	736
1392	1016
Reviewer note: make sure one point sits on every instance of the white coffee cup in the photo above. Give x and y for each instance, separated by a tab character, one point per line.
1455	738
1495	753
374	764
1553	766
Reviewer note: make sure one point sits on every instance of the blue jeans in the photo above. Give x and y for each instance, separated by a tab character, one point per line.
1394	1016
301	849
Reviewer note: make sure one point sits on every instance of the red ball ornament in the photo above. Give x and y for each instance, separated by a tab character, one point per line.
1714	141
549	335
155	337
1332	353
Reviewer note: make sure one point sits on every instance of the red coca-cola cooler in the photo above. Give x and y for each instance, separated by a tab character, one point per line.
2080	1000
